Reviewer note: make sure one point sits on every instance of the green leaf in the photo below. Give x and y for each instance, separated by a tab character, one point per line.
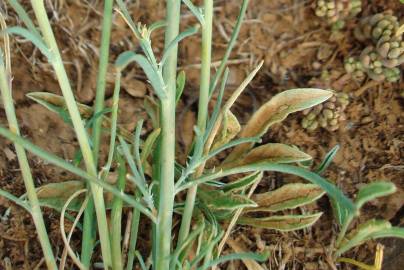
156	25
276	110
229	129
55	195
341	214
397	232
180	85
23	15
289	196
188	32
271	152
15	199
362	233
372	191
149	144
154	77
153	111
243	183
57	104
327	160
218	200
195	10
314	178
282	223
36	40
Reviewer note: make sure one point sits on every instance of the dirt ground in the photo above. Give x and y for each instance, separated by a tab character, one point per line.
299	49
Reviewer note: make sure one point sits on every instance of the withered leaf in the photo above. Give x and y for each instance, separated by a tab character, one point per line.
229	129
57	104
289	196
55	195
276	110
271	152
282	223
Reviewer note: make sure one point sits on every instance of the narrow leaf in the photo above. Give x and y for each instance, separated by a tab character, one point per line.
243	183
15	199
362	233
271	152
154	77
276	110
289	196
149	144
180	85
32	37
341	214
397	232
195	10
23	15
372	191
188	32
282	223
218	200
327	160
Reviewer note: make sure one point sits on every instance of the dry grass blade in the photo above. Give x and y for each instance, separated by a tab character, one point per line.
238	248
276	110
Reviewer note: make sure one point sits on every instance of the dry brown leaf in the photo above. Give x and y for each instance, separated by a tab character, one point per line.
229	129
276	110
288	196
271	152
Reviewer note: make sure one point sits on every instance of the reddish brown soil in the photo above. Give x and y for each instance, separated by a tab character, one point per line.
288	36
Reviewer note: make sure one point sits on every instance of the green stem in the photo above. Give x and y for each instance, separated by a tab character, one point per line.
202	112
167	143
344	230
133	237
25	169
116	217
88	223
57	63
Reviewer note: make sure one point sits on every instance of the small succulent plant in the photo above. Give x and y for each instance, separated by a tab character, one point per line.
380	60
327	115
378	26
354	67
337	11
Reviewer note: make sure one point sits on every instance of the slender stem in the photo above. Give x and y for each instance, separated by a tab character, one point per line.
202	112
167	143
25	168
133	237
57	63
88	222
116	217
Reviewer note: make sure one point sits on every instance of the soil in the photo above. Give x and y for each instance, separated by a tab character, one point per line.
298	49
